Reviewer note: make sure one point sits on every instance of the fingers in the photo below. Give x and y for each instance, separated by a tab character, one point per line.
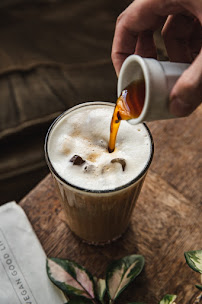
186	95
137	18
124	44
144	15
141	44
145	46
133	34
183	37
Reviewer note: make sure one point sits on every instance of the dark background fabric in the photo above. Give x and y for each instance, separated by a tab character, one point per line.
53	55
63	33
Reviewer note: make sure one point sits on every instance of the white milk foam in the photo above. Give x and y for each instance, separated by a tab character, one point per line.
85	132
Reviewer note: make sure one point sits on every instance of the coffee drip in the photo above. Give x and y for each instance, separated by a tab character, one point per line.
129	105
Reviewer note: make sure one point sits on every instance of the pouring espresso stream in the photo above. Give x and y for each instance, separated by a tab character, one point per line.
129	105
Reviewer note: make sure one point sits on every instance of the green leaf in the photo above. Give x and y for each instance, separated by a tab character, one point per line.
70	277
199	286
121	272
168	299
194	260
100	285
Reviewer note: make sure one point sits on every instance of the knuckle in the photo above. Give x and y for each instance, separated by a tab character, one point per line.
113	55
119	18
188	83
191	84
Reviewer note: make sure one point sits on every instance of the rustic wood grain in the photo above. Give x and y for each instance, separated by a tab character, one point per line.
166	221
177	157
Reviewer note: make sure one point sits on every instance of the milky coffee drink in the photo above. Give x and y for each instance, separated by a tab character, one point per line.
98	189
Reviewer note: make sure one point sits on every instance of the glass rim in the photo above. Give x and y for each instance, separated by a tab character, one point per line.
106	191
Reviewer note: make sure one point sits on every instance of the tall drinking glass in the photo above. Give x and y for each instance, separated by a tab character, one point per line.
96	216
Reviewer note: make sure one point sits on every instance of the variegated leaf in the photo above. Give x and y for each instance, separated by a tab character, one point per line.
199	286
71	277
121	272
194	260
168	299
100	288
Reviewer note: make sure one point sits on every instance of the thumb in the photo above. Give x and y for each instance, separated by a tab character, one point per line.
186	95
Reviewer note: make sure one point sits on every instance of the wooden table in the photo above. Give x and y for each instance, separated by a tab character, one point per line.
166	221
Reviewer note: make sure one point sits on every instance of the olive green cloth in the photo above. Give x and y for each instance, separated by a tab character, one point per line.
52	56
67	33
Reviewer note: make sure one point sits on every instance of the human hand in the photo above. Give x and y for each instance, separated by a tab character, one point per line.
182	35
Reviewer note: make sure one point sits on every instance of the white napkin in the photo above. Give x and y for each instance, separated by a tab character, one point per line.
23	277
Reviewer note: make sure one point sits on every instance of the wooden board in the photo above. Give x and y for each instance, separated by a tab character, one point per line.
166	221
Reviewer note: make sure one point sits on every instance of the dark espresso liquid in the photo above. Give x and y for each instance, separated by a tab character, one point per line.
129	105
